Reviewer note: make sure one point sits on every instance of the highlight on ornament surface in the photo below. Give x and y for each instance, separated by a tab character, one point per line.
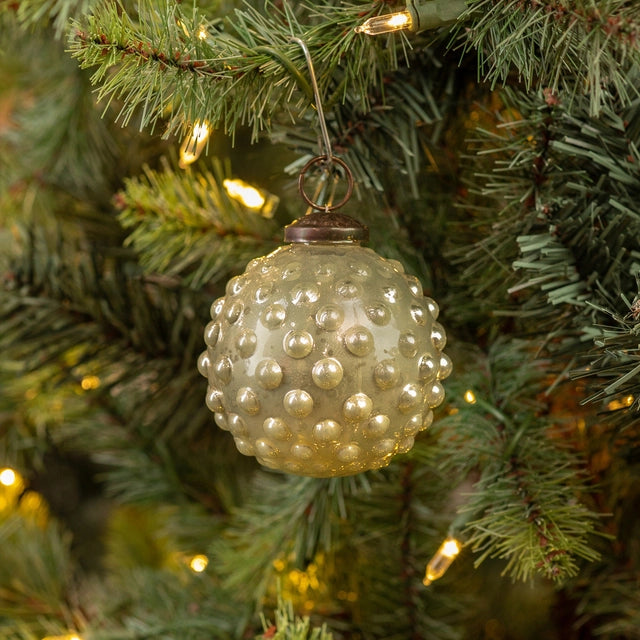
323	358
442	560
418	16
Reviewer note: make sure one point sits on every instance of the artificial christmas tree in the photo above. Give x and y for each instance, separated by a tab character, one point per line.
494	150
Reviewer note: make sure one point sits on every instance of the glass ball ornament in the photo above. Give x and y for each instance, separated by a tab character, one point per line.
324	359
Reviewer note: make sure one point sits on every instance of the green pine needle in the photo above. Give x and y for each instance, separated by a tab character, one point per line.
580	48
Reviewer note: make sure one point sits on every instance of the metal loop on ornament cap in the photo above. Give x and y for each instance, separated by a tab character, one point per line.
328	164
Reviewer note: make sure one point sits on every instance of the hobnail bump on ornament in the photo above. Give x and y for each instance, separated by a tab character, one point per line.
324	359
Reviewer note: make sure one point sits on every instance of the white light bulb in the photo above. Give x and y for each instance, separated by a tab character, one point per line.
378	25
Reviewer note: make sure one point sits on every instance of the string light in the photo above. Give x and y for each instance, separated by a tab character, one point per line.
378	25
614	405
203	34
469	396
418	16
199	563
194	143
8	477
67	636
245	193
11	488
90	382
251	197
442	560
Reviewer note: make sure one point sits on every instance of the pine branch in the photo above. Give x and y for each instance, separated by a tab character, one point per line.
610	606
512	190
542	533
184	226
568	226
36	586
396	526
58	138
350	532
38	13
143	603
71	381
524	508
282	516
613	374
245	75
107	347
576	248
583	47
288	626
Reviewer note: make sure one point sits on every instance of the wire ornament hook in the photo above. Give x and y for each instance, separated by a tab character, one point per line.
326	160
316	95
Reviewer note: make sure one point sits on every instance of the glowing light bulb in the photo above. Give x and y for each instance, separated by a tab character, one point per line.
418	16
193	144
245	193
377	25
614	405
251	197
67	636
90	382
8	477
202	31
441	560
469	396
11	488
199	563
450	548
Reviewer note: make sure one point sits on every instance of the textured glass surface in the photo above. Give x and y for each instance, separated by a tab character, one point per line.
324	359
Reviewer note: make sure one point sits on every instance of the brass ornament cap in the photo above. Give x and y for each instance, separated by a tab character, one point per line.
322	226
